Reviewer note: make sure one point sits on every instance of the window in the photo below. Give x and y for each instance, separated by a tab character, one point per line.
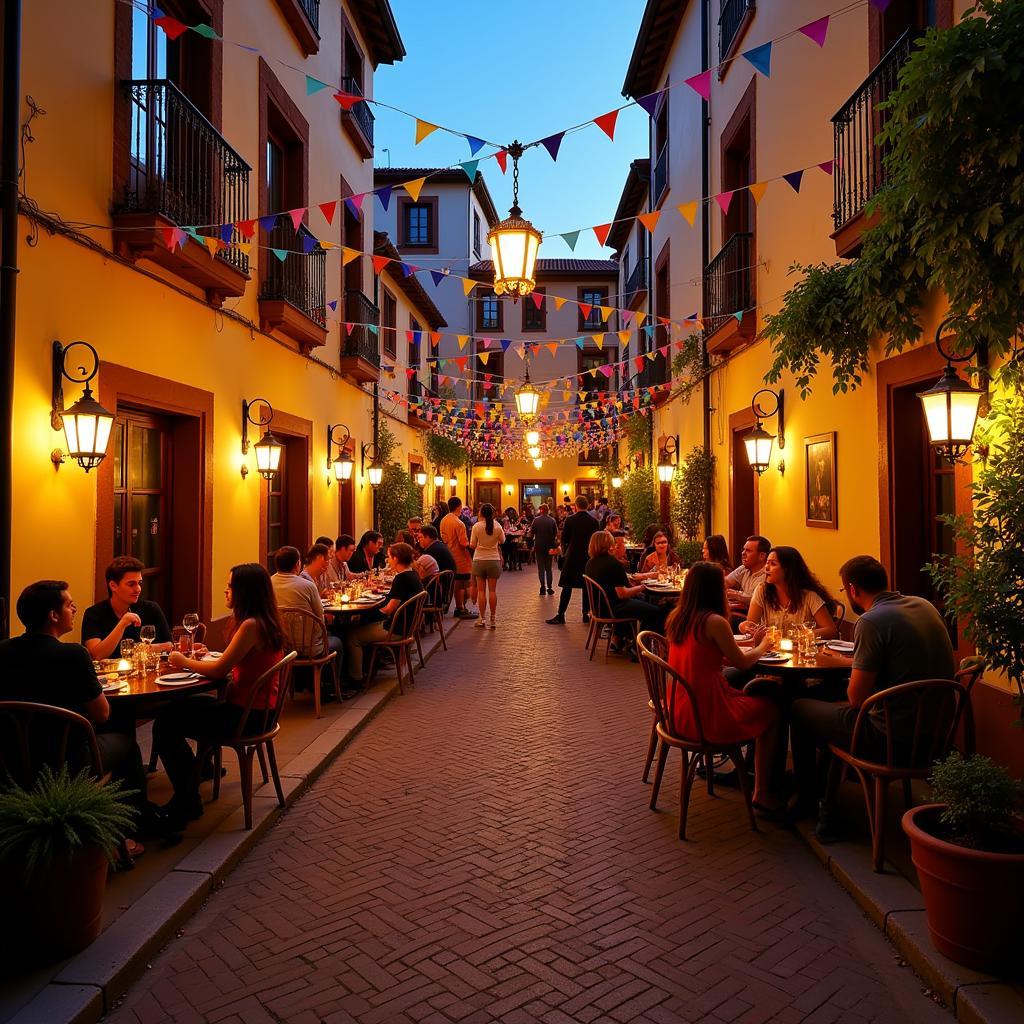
389	322
591	359
595	298
415	342
492	373
659	180
488	313
417	227
534	318
476	234
625	265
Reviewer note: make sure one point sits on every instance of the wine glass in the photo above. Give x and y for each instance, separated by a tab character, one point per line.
190	623
147	635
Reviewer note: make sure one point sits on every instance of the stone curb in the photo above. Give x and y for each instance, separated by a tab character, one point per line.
897	908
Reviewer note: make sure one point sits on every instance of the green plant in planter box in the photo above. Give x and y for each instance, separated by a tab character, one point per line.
980	798
61	814
637	500
690	551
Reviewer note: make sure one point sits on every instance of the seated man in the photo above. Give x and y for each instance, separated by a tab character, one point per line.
314	563
37	667
414	526
337	570
897	639
123	614
295	590
365	556
431	544
424	564
747	576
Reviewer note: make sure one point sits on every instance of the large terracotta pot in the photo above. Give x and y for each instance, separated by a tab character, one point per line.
974	899
60	908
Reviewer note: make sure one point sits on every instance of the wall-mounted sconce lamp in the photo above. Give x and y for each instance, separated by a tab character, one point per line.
669	450
343	464
439	479
86	424
616	481
375	471
758	441
453	482
268	448
508	489
420	476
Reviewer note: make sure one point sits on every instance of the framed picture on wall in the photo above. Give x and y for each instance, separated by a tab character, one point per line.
820	480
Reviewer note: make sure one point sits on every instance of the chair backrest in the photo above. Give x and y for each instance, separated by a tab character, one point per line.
598	598
924	715
263	720
439	589
33	735
405	623
667	689
970	671
839	614
306	634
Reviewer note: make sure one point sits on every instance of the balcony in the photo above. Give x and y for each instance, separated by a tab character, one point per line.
637	283
859	171
303	17
181	172
729	289
659	180
417	414
360	350
358	122
735	15
293	299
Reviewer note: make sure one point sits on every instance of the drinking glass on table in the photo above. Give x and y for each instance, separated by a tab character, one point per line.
128	654
147	635
190	623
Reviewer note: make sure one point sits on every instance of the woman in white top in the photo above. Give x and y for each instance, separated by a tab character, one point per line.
485	540
790	595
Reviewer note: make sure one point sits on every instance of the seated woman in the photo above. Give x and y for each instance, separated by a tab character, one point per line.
256	645
700	639
619	545
660	558
717	550
791	595
610	575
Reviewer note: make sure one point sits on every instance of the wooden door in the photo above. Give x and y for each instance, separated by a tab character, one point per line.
743	487
489	491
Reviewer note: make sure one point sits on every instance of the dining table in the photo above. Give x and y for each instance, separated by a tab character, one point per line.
348	609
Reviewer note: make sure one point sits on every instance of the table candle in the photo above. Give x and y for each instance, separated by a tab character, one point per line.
786	645
124	666
346	598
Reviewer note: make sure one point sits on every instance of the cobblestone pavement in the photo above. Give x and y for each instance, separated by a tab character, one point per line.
484	852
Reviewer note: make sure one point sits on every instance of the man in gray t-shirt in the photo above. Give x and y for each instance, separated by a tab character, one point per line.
544	531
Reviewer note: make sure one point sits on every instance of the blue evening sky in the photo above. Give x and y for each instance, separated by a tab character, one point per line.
525	71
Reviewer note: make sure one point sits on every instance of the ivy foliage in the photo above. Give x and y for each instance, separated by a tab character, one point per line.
691	487
637	499
398	495
636	430
443	451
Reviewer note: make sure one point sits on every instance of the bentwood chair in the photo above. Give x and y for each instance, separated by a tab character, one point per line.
255	733
601	615
440	589
668	690
658	646
933	710
307	634
401	638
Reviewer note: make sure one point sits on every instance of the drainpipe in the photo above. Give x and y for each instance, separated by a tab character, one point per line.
705	241
8	283
376	400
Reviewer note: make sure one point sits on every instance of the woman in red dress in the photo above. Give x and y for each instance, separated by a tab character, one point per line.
700	640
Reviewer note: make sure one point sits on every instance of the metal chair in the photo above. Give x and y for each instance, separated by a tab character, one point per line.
306	633
601	615
255	733
667	689
402	635
440	589
933	709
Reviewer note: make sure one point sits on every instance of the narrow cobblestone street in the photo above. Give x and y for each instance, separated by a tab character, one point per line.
484	852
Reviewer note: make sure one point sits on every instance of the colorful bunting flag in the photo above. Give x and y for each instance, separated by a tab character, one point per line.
475	144
269	222
423	129
649	220
606	312
327	209
384	195
314	85
438	276
407	269
470	166
551	144
246	228
571	237
348	255
347	99
538	298
414	188
701	84
467	285
309	243
601	232
816	30
724	199
502	157
281	254
793	179
650	102
761	58
226	231
206	31
463	338
689	211
171	26
757	190
296	216
379	263
560	301
606	122
828	166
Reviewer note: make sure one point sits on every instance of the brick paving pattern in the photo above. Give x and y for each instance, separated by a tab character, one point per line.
484	852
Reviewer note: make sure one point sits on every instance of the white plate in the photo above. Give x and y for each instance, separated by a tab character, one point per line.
843	646
111	687
774	659
741	638
367	600
212	656
178	678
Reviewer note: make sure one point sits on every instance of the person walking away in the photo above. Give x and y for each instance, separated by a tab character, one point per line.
455	535
486	539
576	533
544	534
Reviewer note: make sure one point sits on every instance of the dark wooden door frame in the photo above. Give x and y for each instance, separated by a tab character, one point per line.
741	422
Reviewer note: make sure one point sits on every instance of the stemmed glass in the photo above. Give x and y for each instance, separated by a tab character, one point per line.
190	623
147	635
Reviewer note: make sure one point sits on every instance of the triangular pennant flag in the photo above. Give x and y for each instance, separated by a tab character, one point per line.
724	199
649	220
328	209
347	99
379	263
650	102
384	195
308	244
538	298
505	342
580	342
414	188
470	166
757	190
438	277
373	329
761	58
828	166
624	338
739	315
463	338
640	318
296	216
334	305
560	301
701	84
407	269
552	347
601	232
246	228
502	157
269	222
213	244
460	362
467	285
354	204
639	362
171	26
348	255
170	237
606	122
689	211
195	236
585	309
598	340
793	179
571	237
435	338
226	231
314	85
606	312
281	254
423	129
475	144
206	31
606	369
816	30
551	144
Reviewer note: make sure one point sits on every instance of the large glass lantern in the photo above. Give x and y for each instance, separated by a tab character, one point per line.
439	479
87	429
514	243
375	473
343	466
616	482
951	412
758	443
268	451
527	398
420	478
532	437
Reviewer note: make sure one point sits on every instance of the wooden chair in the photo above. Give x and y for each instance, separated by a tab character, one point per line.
306	633
263	726
658	646
667	689
440	589
601	615
401	638
936	708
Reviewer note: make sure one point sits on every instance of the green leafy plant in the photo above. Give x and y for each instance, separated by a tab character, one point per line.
398	496
61	814
980	798
984	586
637	499
690	551
690	490
443	451
636	431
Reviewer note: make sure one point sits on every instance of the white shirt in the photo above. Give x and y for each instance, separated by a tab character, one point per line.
486	545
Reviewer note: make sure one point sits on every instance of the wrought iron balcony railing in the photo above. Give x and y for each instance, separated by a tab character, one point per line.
637	281
180	166
859	170
361	341
729	281
361	112
311	8
733	12
301	278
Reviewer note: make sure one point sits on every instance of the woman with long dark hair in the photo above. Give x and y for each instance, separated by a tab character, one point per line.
716	550
256	643
661	557
791	595
486	539
700	641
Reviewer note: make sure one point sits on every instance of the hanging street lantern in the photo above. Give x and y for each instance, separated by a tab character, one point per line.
527	397
268	448
758	441
420	478
532	437
616	482
951	406
669	449
86	424
439	480
533	451
343	464
375	471
514	243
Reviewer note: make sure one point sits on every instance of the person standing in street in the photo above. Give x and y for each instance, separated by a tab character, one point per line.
455	535
576	533
486	539
544	532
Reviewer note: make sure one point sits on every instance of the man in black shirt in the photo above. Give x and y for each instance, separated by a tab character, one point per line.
576	533
365	556
544	532
123	614
431	544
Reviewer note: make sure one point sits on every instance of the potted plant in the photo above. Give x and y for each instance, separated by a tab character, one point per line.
57	840
968	849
